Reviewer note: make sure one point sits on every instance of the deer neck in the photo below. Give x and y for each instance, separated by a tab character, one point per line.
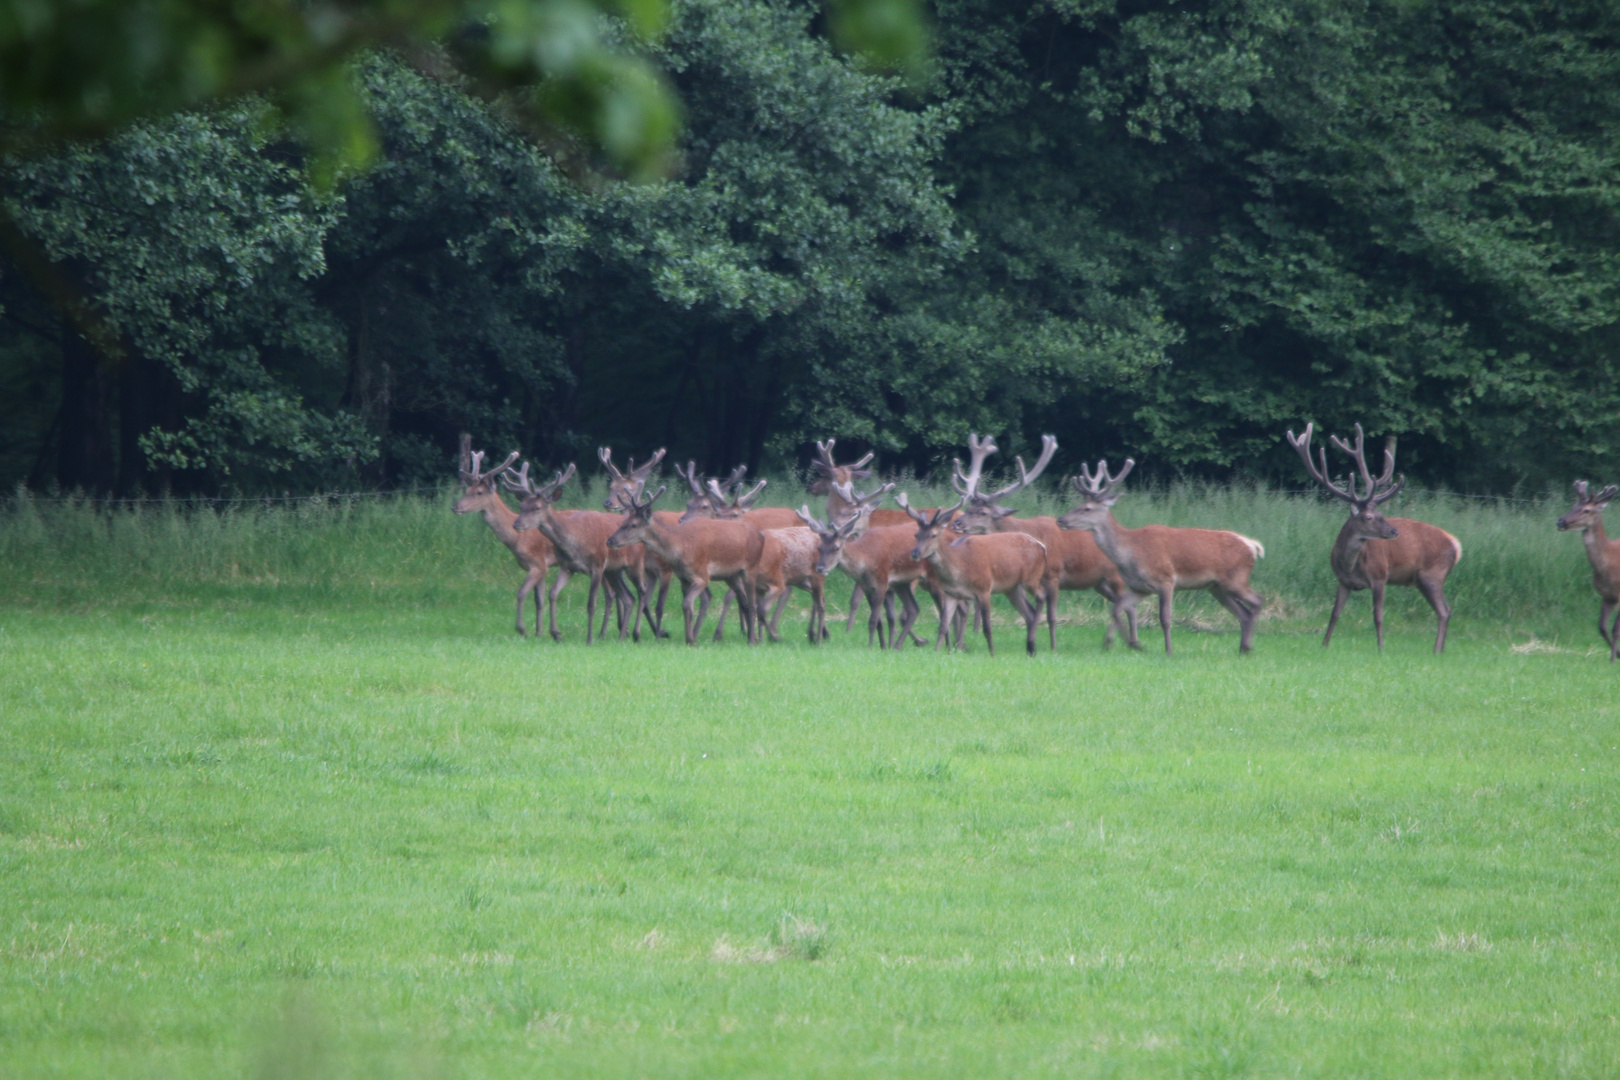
1597	545
1116	542
662	541
1346	558
500	517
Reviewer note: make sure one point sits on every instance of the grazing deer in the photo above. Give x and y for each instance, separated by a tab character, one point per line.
532	551
1373	551
698	552
975	568
1158	560
580	539
1587	516
879	560
1074	554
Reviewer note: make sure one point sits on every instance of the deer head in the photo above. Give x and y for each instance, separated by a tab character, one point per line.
623	487
537	501
478	487
1366	520
1098	492
858	506
637	519
831	538
982	509
929	526
1588	508
829	472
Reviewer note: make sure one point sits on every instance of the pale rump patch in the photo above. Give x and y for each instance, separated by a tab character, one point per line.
1255	546
1456	545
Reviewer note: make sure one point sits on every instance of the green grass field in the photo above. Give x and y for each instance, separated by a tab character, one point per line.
281	795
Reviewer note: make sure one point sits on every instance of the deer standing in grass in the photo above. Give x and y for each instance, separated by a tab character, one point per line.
580	540
532	551
878	559
1373	551
786	562
698	552
830	477
1079	562
1587	516
1156	560
975	568
623	487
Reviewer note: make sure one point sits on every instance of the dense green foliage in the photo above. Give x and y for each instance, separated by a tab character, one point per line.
1164	229
311	810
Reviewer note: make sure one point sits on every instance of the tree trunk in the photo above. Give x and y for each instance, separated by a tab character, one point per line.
85	446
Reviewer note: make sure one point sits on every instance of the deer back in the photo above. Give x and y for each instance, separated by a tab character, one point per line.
793	550
1420	549
1188	558
1072	554
993	562
772	517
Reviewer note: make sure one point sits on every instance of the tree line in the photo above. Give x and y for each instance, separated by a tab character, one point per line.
1164	229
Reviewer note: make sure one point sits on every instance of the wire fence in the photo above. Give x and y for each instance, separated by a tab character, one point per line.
339	497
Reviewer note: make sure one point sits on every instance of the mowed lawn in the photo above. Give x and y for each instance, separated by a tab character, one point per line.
246	838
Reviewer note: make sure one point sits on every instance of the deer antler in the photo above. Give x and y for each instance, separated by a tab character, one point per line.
476	473
1378	490
604	454
640	472
690	476
967	484
1100	484
1025	478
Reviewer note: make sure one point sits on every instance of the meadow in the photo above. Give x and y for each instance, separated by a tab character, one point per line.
282	795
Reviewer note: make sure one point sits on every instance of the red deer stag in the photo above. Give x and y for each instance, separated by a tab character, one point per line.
623	487
831	476
532	551
786	562
1587	516
1373	551
698	552
1079	562
708	500
879	560
975	568
580	539
1156	560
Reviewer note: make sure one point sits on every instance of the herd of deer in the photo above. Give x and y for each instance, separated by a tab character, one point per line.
961	555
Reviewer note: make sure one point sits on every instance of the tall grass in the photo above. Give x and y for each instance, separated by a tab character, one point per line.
1517	572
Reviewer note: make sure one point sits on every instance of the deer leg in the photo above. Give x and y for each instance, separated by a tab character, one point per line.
1333	619
533	581
1614	632
663	591
745	596
876	597
557	587
1433	592
703	609
1164	616
888	612
773	602
590	606
689	601
818	611
911	609
1378	612
639	580
1032	618
1244	609
1051	615
854	606
947	611
725	610
1605	611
